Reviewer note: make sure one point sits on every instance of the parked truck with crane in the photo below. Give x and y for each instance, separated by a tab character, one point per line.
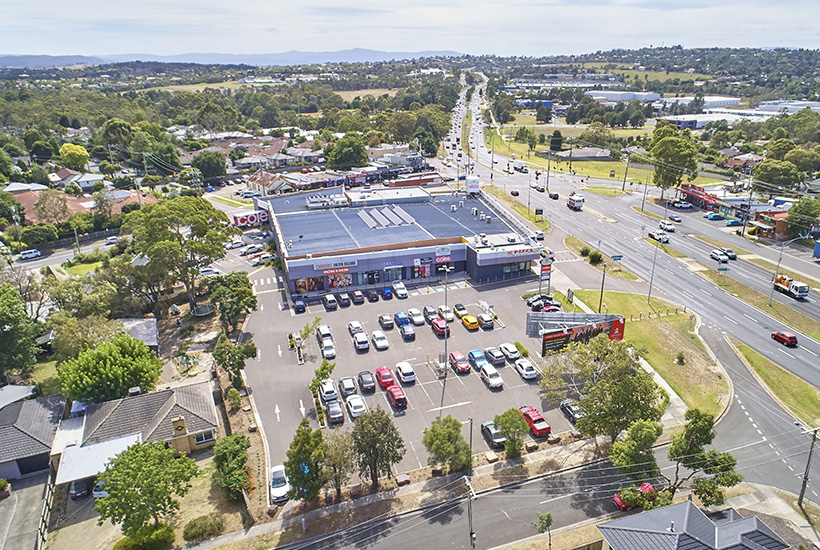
796	289
575	201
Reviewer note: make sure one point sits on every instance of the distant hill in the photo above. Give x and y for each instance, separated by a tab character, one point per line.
356	55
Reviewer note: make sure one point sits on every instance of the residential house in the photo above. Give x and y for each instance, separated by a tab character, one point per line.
17	187
747	160
27	431
268	183
302	154
184	417
88	181
256	161
684	526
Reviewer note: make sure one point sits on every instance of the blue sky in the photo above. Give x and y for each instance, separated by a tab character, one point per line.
503	27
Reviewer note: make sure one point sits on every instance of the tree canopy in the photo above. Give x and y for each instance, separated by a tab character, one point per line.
304	466
349	152
234	295
512	425
74	156
802	215
210	164
377	444
445	444
18	348
673	157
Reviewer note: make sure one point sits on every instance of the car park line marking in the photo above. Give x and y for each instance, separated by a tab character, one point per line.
787	354
704	292
810	351
436	409
276	410
730	319
750	317
255	271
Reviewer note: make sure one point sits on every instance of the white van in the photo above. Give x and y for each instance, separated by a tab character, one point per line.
30	254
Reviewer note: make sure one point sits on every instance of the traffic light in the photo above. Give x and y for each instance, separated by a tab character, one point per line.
537	173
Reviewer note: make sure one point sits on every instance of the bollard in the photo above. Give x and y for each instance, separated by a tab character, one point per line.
640	315
304	525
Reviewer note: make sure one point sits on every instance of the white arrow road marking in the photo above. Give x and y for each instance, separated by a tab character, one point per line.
280	350
276	410
301	407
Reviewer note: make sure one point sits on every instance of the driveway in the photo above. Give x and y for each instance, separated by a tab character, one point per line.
20	513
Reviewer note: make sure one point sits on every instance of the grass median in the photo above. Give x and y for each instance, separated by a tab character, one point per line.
232	202
576	245
666	249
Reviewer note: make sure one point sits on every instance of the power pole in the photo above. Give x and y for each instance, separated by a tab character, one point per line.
805	474
470	497
628	157
601	301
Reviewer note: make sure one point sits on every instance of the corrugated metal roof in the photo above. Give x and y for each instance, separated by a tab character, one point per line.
69	432
89	460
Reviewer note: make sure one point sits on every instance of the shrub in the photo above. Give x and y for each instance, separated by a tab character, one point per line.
203	527
521	349
150	537
681	358
585	251
234	399
3	485
595	257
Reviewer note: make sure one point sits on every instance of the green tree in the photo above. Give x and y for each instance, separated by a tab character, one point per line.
81	296
141	483
41	151
805	160
103	204
116	131
348	153
544	524
445	444
230	464
304	466
802	215
231	358
210	163
75	335
18	348
234	295
322	373
182	235
556	141
5	163
597	134
108	370
51	206
613	388
512	425
778	173
339	460
673	157
634	455
543	114
377	444
532	141
191	177
402	125
74	156
31	137
779	149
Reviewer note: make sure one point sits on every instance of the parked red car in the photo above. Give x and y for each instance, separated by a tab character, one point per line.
621	505
440	327
397	397
459	362
536	422
384	377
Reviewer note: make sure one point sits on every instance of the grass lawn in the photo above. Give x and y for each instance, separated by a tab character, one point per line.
779	311
82	269
466	128
349	95
606	191
660	339
575	244
519	208
45	374
646	212
232	202
800	397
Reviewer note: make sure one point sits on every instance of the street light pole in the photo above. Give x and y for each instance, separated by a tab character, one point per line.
601	301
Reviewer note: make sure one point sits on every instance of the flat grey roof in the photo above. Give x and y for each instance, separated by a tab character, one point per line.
313	232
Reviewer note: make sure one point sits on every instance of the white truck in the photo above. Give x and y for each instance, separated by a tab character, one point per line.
575	201
796	289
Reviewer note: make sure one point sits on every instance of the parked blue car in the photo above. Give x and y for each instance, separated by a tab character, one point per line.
733	223
715	216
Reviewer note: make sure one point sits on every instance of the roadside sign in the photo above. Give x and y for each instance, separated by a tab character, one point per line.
617	257
539	211
723	269
570	294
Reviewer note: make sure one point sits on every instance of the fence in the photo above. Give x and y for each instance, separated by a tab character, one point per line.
70	240
45	514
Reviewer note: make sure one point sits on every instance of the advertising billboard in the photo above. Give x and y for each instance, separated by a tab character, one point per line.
559	339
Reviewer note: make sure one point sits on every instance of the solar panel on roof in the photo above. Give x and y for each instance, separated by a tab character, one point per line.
384	222
391	216
404	215
367	219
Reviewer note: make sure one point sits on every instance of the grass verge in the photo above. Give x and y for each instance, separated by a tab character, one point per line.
664	248
605	191
646	213
231	202
781	312
82	269
771	266
800	397
720	244
660	339
575	244
543	224
45	374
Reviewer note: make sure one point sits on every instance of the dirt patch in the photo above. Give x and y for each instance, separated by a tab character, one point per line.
183	349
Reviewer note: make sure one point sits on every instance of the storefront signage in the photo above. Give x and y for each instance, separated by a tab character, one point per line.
442	259
336	270
443	251
520	251
388	265
322	267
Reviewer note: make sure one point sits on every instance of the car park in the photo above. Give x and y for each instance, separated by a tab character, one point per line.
494	356
495	439
354	327
666	226
485	321
356	405
361	342
510	351
327	390
469	322
621	505
458	362
446	313
299	306
526	369
405	372
572	410
397	397
328	349
399	289
415	316
538	426
386	321
785	338
335	413
459	310
733	223
379	340
330	302
407	332
372	296
343	299
347	386
430	313
401	318
367	383
357	297
728	252
716	254
387	293
675	218
490	376
384	376
440	327
712	216
659	236
279	485
476	358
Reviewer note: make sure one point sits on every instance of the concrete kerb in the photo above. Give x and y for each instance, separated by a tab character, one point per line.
725	410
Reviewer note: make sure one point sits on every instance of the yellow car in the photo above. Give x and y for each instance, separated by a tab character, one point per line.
470	322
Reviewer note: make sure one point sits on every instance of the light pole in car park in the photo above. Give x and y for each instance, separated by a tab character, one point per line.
446	268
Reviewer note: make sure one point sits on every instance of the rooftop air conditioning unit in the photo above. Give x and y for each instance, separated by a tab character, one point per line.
482	216
453	208
511	239
482	235
461	204
309	256
475	211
